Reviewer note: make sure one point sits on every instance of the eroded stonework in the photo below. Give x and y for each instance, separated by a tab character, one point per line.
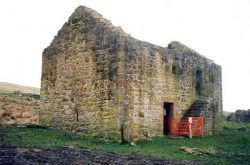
98	80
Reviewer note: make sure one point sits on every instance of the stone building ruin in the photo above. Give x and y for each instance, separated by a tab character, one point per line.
98	80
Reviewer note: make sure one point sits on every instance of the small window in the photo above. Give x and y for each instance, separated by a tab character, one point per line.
211	79
199	86
174	69
177	70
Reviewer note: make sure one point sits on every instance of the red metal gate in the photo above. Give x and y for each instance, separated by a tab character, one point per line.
180	127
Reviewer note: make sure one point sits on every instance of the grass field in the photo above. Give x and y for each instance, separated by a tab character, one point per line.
231	147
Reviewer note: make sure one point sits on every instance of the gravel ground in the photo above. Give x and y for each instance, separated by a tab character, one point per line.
27	156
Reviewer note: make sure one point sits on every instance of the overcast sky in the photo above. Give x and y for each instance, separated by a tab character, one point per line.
217	29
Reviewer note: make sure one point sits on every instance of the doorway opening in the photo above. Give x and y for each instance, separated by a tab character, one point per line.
167	113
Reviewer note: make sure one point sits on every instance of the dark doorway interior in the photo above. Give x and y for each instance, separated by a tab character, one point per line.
167	112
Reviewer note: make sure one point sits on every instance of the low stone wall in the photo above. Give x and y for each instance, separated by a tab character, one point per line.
240	116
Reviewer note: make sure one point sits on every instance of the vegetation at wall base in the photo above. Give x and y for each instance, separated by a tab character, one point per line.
232	146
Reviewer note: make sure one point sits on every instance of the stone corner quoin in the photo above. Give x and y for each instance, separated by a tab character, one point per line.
98	80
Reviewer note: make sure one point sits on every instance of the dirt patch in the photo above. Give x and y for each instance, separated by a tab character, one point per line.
20	155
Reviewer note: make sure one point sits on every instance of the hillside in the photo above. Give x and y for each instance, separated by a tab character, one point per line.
10	88
18	110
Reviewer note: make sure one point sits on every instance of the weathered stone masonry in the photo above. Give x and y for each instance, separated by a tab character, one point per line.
98	80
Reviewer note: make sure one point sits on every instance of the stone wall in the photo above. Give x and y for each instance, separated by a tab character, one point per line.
98	80
239	116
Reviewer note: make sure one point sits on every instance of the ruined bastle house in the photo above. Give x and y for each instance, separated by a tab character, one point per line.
98	80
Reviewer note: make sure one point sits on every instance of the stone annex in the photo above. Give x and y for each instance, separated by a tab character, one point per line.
100	81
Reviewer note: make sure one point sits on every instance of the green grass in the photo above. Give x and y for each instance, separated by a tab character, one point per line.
232	146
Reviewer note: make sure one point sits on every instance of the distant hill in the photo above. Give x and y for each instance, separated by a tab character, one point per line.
10	88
